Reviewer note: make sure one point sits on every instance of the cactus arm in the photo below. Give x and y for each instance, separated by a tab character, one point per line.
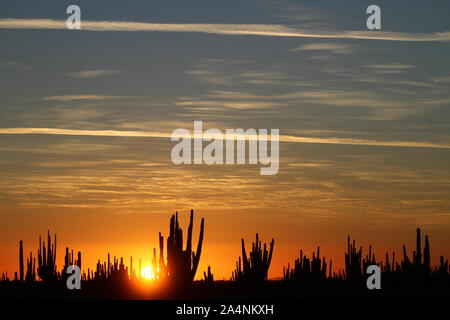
189	237
196	255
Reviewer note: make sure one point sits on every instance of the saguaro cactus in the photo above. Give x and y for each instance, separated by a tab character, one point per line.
443	269
254	268
353	261
69	260
30	273
181	265
208	278
31	269
21	260
47	259
307	269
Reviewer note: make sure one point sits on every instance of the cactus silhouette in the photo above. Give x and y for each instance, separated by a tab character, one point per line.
306	269
21	260
443	269
30	273
208	278
69	260
353	261
46	260
255	267
181	265
31	269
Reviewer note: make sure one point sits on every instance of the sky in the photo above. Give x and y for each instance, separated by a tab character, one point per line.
86	117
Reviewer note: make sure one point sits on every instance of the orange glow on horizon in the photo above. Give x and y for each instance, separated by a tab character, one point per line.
148	273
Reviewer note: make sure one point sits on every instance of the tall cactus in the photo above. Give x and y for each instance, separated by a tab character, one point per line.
208	277
426	256
254	268
69	260
31	269
353	261
21	260
47	260
158	264
443	269
418	252
420	265
306	269
181	265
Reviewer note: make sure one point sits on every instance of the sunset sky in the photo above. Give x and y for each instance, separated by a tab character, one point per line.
86	117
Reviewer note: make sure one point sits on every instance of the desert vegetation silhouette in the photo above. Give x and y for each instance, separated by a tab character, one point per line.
175	267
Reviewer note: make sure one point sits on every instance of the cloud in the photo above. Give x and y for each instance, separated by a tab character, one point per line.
221	75
343	98
304	15
67	98
77	132
13	64
210	76
91	73
390	66
441	79
393	68
215	105
332	47
283	138
389	104
382	80
364	142
224	29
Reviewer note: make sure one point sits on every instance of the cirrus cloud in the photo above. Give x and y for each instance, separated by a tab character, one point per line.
91	73
269	30
283	138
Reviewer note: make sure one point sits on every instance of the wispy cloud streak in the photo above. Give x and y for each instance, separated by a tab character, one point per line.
332	47
283	138
224	29
66	98
77	132
91	73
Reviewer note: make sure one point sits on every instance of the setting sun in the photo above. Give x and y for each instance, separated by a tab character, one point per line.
147	273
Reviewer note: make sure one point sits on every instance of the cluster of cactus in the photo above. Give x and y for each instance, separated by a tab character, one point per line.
47	268
353	261
47	260
115	271
69	260
208	277
306	269
418	267
255	268
158	265
421	262
443	270
30	274
355	264
181	265
46	263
